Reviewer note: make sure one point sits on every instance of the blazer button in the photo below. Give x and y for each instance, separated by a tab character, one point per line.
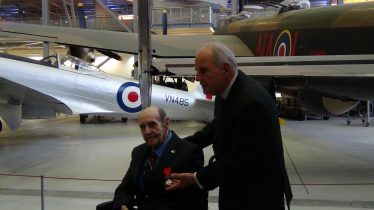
146	196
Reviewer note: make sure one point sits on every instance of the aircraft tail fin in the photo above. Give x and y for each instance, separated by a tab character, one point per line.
204	102
200	95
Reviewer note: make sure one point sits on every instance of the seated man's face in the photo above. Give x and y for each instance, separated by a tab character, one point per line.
153	130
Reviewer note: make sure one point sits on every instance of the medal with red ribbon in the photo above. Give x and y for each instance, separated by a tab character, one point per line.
167	172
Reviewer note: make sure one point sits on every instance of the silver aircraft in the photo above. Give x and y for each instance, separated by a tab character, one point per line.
323	57
65	84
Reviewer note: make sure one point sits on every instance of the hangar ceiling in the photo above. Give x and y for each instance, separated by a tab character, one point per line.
27	9
31	9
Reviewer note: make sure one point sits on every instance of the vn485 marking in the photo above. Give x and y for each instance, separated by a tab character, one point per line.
176	100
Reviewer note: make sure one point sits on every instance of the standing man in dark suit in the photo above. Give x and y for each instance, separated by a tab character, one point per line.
144	183
248	166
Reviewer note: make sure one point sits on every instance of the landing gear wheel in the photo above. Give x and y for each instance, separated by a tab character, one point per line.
124	119
367	124
82	118
1	126
325	118
348	122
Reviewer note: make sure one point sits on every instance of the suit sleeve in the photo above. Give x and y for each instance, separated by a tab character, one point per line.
197	159
193	197
125	192
249	139
204	137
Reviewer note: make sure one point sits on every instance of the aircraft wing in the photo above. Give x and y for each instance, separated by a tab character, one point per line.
324	85
17	102
162	46
311	66
182	49
33	90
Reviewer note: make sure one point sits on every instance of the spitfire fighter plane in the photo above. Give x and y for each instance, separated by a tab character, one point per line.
322	56
65	84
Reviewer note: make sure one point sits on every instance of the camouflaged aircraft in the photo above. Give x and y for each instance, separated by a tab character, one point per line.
322	56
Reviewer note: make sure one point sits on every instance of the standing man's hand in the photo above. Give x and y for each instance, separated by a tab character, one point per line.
181	180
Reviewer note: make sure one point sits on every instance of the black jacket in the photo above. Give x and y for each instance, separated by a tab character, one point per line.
247	143
180	156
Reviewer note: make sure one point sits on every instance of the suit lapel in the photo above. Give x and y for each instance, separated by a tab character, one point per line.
234	93
223	114
139	157
222	106
167	156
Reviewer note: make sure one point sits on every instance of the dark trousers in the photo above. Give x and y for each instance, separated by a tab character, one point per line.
105	206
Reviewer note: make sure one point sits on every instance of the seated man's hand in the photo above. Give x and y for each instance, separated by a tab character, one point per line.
123	207
181	180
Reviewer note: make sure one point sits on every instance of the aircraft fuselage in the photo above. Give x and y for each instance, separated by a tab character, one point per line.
33	90
342	30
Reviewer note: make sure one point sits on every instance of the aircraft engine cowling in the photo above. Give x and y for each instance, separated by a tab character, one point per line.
319	104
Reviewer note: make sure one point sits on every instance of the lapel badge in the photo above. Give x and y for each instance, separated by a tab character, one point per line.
172	151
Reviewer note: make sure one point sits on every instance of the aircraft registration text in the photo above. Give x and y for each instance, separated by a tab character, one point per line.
176	100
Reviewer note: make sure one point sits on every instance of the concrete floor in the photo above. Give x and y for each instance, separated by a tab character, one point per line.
331	165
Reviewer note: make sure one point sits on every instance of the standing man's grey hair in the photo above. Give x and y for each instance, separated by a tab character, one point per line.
222	54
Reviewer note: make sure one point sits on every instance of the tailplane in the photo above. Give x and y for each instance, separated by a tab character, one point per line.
199	94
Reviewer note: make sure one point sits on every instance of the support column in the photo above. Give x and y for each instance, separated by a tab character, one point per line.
164	22
145	53
234	7
136	16
45	15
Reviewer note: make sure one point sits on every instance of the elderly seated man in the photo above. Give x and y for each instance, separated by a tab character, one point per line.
163	152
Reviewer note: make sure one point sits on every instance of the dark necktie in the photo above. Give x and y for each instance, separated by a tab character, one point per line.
151	162
223	102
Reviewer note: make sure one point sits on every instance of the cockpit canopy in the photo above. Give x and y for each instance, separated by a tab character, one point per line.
72	62
69	62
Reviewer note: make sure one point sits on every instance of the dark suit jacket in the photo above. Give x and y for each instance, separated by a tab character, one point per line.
180	156
247	143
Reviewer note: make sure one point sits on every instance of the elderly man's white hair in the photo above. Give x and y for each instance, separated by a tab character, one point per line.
222	54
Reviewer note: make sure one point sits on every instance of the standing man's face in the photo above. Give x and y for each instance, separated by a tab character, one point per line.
213	79
153	130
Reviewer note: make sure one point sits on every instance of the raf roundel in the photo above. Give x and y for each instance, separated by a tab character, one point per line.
128	97
282	46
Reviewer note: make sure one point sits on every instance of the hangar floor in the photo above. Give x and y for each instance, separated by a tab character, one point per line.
331	165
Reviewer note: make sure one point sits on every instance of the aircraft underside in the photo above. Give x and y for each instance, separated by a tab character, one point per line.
321	95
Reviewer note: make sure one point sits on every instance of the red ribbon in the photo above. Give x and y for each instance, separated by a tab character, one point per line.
167	171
